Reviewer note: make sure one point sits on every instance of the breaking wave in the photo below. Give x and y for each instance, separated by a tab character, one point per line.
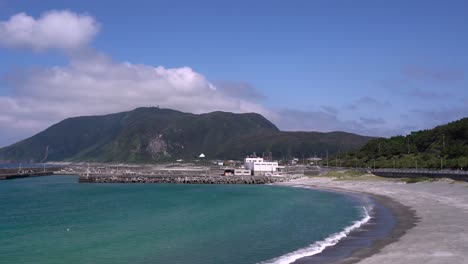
319	246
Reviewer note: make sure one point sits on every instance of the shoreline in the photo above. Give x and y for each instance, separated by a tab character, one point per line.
405	219
389	221
430	225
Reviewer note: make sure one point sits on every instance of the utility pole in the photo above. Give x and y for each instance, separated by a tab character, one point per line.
327	158
443	142
441	164
374	163
407	143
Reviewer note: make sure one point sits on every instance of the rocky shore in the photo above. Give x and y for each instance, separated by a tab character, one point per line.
199	179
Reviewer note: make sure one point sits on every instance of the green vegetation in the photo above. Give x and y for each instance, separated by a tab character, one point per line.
444	146
334	174
350	175
153	135
419	179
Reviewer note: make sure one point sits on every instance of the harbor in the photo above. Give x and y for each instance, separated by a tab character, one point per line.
254	171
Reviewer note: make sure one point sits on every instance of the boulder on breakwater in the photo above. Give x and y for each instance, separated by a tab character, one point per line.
186	179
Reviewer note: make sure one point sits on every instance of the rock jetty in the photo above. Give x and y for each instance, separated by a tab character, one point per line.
186	179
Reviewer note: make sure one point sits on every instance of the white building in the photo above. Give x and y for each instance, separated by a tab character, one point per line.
258	166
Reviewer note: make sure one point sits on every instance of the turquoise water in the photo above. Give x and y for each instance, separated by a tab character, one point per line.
57	220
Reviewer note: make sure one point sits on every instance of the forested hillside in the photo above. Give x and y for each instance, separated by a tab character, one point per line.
444	146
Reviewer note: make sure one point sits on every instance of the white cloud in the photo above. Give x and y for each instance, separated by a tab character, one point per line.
54	29
100	85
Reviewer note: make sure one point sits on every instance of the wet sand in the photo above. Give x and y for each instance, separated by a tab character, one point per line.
430	223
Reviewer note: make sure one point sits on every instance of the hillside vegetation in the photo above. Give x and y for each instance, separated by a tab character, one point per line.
154	134
445	145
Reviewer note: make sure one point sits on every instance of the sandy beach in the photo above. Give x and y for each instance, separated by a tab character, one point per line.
432	220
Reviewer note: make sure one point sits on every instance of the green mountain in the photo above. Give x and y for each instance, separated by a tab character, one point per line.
444	146
154	134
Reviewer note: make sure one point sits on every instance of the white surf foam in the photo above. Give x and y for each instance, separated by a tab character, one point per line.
319	246
298	186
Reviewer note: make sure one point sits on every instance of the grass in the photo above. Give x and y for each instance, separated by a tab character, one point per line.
334	174
353	176
349	175
419	179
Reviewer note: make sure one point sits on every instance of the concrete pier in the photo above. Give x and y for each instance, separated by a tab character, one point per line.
9	174
24	175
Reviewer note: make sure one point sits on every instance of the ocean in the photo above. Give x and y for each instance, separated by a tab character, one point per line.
55	219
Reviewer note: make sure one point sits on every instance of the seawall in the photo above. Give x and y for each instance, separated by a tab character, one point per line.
410	174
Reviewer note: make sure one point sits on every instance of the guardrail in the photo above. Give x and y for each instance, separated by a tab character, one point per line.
459	175
455	172
430	171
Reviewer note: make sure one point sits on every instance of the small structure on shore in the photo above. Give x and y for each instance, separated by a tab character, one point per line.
314	160
236	172
259	167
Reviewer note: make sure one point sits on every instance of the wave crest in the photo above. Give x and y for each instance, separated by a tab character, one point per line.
319	246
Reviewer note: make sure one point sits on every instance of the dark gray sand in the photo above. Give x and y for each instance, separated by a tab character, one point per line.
430	223
404	219
390	220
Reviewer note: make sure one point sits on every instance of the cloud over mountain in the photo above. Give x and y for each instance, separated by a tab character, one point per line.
97	85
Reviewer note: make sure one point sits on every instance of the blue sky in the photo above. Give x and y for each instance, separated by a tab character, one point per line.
378	68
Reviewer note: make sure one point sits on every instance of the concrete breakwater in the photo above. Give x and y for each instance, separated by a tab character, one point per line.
8	174
186	179
23	175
